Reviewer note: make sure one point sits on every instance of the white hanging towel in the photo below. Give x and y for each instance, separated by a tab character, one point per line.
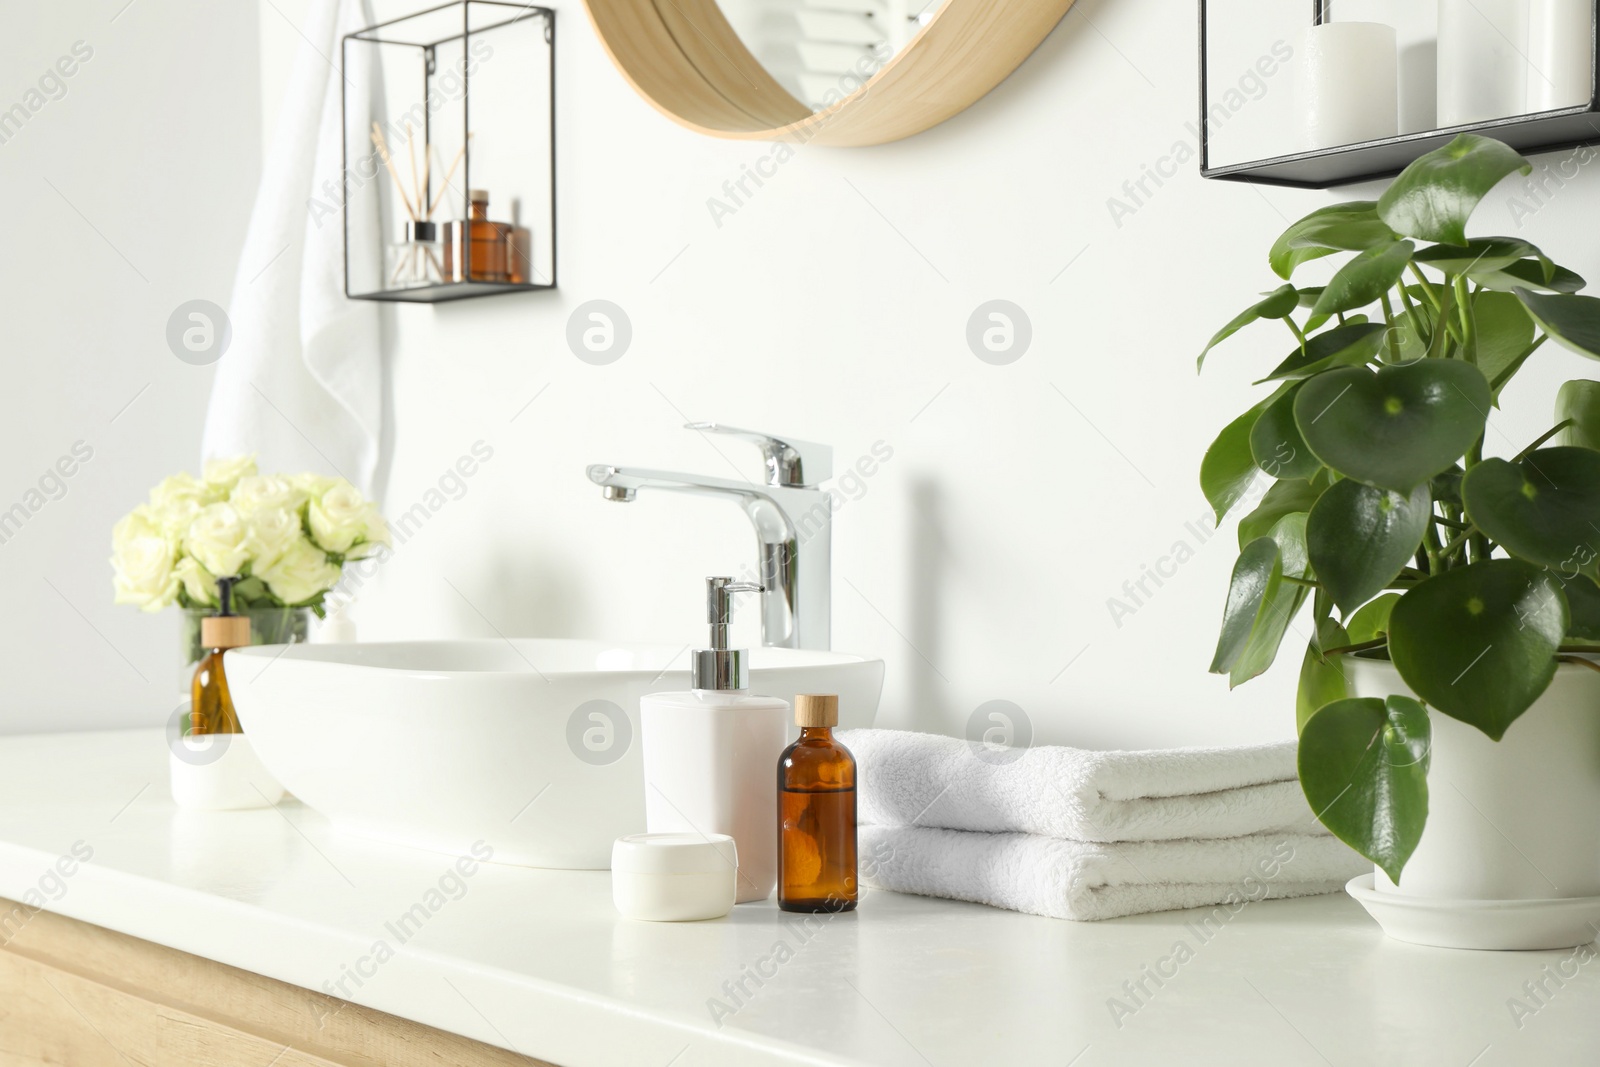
301	382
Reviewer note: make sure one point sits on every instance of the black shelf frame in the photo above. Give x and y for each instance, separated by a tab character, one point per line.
1323	168
458	290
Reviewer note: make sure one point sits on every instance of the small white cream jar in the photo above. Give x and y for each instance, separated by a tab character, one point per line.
674	877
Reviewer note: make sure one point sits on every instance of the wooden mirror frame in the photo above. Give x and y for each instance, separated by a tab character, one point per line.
686	60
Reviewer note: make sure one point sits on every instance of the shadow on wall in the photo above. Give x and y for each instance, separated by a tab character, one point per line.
929	694
514	595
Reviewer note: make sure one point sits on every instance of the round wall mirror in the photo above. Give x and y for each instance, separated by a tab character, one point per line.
839	72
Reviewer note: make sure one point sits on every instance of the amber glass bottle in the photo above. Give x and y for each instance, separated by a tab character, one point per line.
475	250
210	703
816	813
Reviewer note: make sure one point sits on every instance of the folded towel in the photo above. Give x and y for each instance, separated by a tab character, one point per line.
914	779
1086	881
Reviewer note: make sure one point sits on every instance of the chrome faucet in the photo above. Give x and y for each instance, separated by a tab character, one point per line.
793	520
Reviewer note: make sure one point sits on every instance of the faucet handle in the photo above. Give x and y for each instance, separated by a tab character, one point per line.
790	462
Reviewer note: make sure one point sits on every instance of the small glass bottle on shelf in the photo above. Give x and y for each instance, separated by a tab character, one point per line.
817	814
416	258
476	250
519	248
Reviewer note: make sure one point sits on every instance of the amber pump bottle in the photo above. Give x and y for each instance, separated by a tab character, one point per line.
816	813
211	705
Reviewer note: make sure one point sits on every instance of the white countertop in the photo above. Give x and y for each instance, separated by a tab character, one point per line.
539	962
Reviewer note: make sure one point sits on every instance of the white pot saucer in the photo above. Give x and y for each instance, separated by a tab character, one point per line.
1481	924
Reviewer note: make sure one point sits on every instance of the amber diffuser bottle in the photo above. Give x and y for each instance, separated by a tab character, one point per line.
475	250
816	813
211	705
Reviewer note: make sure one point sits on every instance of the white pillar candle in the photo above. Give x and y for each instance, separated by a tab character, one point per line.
1560	54
1419	86
1483	72
1345	76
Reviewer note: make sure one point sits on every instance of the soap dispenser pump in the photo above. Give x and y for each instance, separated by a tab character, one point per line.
709	752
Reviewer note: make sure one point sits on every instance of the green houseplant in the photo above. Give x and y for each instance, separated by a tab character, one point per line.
1474	575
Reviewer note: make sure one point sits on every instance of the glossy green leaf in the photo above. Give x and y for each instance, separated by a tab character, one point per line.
1447	486
1364	769
1342	346
1372	620
1583	607
1481	255
1350	227
1545	509
1572	320
1433	198
1504	328
1447	314
1276	444
1365	278
1278	609
1308	299
1282	498
1322	679
1396	427
1278	304
1290	534
1479	642
1259	609
1228	470
1411	332
1531	274
1257	569
1579	400
1360	537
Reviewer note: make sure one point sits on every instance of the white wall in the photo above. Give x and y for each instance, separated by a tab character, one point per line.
127	193
833	305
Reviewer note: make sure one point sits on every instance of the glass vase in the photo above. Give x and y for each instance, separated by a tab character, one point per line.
268	626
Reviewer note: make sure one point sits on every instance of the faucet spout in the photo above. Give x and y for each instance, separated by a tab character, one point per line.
794	527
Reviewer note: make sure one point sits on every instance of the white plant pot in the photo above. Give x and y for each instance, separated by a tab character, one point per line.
1513	820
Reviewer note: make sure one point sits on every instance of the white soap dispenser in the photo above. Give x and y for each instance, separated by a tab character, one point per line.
711	754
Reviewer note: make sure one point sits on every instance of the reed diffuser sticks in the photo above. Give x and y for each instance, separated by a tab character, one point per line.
448	174
415	200
382	145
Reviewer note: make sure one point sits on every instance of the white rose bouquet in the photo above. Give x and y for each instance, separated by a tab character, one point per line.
285	538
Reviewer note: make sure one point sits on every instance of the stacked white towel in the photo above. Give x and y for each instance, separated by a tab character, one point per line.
1075	834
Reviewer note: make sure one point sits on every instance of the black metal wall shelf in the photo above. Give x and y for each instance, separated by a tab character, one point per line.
1328	167
1324	168
442	292
449	124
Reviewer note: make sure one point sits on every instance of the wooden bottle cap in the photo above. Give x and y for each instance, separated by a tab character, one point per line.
225	631
814	709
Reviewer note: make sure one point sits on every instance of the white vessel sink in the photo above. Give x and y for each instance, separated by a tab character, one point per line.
531	746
